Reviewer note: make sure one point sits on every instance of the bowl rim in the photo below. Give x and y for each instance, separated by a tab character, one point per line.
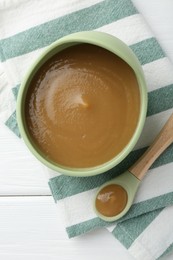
95	38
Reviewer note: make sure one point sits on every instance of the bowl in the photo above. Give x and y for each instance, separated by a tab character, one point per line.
111	44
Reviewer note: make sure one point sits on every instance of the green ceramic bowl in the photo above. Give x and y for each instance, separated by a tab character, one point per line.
110	43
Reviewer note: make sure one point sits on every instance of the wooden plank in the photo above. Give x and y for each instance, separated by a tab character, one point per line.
32	228
20	171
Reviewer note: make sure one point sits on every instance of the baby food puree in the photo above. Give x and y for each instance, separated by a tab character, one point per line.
82	106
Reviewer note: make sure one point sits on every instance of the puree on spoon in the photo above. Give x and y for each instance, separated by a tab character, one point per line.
82	106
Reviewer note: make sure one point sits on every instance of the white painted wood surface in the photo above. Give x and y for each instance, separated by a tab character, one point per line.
30	225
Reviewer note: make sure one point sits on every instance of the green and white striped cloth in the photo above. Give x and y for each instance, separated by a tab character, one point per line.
27	27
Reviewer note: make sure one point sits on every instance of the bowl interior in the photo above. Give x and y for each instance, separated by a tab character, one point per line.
51	51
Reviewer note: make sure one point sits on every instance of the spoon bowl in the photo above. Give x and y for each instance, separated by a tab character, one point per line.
130	184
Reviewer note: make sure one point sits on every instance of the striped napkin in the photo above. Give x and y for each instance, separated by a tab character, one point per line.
27	27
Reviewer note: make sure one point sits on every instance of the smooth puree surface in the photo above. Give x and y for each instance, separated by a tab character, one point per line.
111	200
82	106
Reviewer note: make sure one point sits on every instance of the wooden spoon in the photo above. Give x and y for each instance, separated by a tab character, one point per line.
108	202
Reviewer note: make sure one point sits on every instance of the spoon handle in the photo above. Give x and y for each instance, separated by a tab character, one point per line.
162	141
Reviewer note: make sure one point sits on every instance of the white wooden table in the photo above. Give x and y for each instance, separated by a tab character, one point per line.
30	226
